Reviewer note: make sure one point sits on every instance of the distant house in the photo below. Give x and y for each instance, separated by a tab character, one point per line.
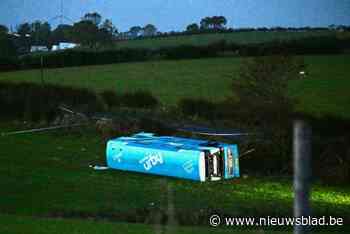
64	46
38	49
17	35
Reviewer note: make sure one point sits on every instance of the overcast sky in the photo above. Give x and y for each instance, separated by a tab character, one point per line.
175	15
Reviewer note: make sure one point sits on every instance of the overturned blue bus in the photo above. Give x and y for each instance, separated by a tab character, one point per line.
185	158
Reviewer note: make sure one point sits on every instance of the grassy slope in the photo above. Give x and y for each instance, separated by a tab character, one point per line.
48	175
205	39
10	224
326	92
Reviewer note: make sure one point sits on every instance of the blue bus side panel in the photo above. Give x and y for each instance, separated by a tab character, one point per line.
175	163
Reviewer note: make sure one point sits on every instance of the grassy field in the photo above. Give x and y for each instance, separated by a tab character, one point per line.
48	175
324	92
47	185
10	224
205	39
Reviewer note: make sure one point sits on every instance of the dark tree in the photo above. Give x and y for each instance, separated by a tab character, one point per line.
265	80
3	29
23	43
108	27
63	33
104	37
85	33
40	33
192	28
7	47
150	30
218	22
24	29
94	17
264	102
205	23
215	22
135	31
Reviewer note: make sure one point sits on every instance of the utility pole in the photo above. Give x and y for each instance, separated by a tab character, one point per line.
302	172
61	15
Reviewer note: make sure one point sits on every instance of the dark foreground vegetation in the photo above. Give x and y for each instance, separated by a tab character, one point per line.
34	102
273	155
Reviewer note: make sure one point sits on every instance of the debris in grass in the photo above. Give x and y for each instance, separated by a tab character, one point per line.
99	168
151	204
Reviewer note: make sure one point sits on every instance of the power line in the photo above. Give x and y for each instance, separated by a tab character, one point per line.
61	17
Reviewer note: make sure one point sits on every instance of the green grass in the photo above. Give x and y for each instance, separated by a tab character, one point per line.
205	39
168	80
47	175
324	93
10	224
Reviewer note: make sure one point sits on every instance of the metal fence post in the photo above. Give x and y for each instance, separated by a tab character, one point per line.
302	172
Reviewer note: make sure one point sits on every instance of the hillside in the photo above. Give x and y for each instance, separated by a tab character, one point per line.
234	37
324	92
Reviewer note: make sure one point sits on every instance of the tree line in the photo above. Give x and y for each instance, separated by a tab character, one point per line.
92	31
